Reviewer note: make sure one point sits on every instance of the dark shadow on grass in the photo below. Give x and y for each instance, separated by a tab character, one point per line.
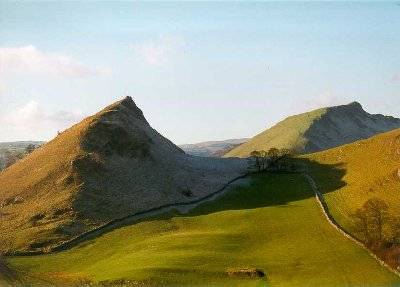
265	189
6	273
279	188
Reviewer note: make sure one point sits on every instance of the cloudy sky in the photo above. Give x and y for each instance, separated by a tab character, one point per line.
199	71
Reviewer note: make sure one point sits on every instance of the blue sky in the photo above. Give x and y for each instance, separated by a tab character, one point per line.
199	71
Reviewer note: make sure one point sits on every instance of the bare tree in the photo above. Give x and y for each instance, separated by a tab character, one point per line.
260	159
370	219
264	159
360	218
273	153
256	155
377	212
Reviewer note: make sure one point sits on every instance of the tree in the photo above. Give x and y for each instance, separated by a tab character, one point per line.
256	155
264	159
377	212
370	220
259	159
274	157
283	160
285	152
273	153
361	223
395	229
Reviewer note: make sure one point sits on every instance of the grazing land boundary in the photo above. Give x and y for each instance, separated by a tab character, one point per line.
325	210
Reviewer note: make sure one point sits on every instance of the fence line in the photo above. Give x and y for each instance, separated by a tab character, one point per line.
325	210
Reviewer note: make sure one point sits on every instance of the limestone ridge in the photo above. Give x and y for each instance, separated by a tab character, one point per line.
319	130
345	124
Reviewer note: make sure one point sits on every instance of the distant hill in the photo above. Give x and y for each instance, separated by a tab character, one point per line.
371	169
319	130
18	145
14	147
108	166
212	148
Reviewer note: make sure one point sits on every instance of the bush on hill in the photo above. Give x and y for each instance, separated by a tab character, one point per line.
272	160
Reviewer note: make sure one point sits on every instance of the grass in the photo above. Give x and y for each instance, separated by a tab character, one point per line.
289	133
369	168
273	224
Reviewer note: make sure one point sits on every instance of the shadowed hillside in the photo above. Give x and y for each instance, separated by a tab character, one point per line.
108	166
319	130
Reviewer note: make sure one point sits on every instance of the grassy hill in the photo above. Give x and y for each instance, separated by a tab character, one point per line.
318	130
273	224
371	169
108	166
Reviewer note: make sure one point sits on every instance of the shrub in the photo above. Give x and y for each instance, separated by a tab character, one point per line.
246	272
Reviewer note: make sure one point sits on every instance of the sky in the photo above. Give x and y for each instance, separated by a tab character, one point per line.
199	70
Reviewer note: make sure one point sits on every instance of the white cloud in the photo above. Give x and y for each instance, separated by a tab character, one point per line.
159	52
30	121
30	59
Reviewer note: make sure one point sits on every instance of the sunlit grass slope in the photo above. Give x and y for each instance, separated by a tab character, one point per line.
273	224
371	169
318	130
289	134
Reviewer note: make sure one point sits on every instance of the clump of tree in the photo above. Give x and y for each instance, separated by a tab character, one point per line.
379	230
259	160
374	223
272	160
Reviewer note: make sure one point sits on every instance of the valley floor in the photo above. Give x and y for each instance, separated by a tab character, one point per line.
273	224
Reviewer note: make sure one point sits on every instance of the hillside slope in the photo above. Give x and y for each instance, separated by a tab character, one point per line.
371	170
212	148
319	130
108	166
273	224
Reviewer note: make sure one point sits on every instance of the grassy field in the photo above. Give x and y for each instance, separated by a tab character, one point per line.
273	224
369	168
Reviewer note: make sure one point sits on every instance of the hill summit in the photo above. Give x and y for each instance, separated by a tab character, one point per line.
318	130
106	167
